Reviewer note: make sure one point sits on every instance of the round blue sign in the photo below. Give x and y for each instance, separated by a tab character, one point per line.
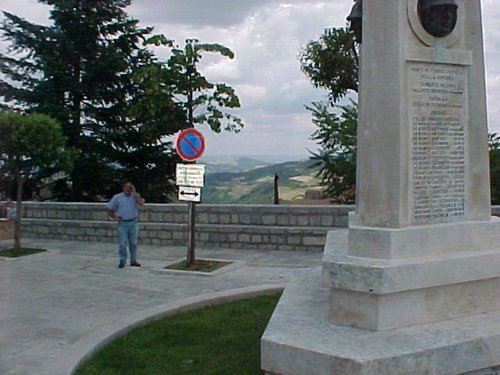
190	144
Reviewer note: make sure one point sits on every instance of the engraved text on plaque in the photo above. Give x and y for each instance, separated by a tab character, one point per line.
437	109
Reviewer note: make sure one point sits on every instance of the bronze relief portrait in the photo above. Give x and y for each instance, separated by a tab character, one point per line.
438	17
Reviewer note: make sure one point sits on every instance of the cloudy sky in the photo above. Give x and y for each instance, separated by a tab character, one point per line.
266	36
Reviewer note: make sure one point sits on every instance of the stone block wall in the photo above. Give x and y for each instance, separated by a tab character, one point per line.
265	227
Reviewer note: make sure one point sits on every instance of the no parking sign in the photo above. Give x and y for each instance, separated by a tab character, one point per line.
190	144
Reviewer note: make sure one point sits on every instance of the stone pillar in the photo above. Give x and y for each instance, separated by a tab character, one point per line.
423	154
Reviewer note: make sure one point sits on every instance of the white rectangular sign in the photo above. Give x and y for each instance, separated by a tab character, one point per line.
188	193
190	175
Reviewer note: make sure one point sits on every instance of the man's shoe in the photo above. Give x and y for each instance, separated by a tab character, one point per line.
135	264
121	265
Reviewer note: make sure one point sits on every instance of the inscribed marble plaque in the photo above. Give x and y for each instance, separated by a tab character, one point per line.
437	112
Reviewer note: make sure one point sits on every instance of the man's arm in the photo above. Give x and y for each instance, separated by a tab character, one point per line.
111	210
112	214
138	199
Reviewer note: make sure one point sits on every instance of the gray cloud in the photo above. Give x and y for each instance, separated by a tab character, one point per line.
216	13
222	13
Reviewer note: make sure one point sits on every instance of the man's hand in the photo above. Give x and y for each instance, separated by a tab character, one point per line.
113	216
138	199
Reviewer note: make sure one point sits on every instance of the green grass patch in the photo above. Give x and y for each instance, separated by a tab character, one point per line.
23	251
200	265
215	340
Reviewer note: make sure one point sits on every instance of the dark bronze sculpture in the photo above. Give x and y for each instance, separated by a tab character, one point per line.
355	18
438	17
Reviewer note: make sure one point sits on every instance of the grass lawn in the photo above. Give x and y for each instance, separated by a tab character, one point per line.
215	340
12	253
201	265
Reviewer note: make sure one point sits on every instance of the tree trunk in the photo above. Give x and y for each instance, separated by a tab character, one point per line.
17	222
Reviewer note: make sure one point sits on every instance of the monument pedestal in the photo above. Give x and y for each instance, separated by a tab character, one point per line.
415	300
301	340
379	294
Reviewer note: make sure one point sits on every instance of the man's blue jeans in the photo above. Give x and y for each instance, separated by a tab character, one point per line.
127	235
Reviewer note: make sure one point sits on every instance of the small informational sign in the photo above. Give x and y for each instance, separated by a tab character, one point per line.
190	144
190	175
190	194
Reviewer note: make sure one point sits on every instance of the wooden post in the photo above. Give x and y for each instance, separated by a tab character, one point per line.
276	191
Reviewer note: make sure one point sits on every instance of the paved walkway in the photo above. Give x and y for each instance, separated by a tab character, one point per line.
55	307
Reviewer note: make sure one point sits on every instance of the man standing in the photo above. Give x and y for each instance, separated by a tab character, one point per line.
124	208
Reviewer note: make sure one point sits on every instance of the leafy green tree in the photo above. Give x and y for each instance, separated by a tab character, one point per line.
174	96
203	101
79	71
336	159
29	144
331	63
180	81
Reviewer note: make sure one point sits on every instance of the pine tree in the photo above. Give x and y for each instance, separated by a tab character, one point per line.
79	70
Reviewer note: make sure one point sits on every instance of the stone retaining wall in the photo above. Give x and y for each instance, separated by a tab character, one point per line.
266	227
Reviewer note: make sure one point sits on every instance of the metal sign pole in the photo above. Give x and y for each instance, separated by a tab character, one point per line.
190	145
191	231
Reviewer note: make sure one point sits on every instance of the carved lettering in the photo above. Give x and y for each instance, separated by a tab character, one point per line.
437	110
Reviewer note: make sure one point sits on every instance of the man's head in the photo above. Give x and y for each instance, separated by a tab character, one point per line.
438	17
127	187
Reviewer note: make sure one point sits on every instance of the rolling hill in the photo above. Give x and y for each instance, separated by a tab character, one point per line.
249	181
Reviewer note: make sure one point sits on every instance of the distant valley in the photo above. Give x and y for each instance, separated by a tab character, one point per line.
250	181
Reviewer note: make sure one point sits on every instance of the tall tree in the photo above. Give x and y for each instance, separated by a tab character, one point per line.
336	159
175	95
203	102
180	80
29	144
79	70
331	63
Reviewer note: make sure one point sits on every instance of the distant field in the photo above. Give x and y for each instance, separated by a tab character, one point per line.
251	181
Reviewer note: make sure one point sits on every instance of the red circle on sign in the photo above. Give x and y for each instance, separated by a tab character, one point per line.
190	144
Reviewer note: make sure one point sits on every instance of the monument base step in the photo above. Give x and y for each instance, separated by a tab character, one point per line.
382	294
300	340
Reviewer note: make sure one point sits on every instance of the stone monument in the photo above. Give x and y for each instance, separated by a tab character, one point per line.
413	286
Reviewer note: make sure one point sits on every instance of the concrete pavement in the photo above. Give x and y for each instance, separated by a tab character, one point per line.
57	307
